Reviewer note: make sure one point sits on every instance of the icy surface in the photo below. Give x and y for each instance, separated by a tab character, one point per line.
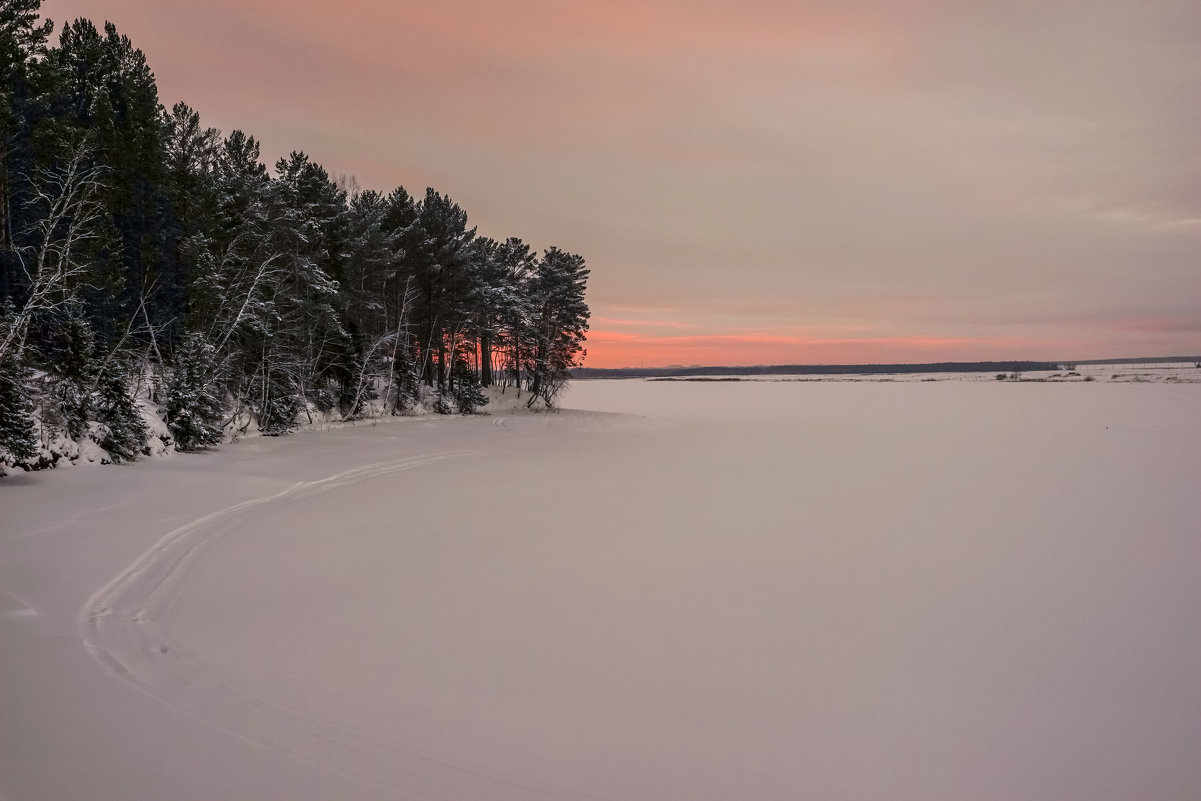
964	588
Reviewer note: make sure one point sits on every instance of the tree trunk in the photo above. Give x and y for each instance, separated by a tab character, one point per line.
486	360
536	384
5	225
517	365
427	359
441	364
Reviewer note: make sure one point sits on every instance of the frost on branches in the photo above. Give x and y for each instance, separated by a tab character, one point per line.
154	270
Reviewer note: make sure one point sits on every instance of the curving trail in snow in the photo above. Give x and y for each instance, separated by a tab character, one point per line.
122	627
768	590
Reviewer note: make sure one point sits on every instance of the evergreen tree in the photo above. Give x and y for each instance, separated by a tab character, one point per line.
99	89
236	268
191	153
18	439
559	321
371	254
67	346
122	431
194	410
515	261
22	40
467	393
437	251
404	387
309	338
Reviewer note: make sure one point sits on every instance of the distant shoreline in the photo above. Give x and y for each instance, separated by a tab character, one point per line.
862	369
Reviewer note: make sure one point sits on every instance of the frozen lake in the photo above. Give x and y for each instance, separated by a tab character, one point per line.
850	590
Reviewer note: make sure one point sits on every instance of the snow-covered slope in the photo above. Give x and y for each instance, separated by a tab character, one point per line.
888	590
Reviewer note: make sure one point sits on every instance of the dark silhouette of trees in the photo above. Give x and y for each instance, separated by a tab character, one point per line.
141	251
558	322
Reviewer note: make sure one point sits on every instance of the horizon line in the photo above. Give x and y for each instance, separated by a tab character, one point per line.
764	366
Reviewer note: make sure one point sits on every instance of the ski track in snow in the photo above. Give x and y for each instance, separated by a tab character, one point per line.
121	626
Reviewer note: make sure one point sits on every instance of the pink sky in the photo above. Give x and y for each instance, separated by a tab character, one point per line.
914	180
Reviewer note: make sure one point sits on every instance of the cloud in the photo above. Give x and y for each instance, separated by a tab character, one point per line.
641	323
620	349
966	171
1162	325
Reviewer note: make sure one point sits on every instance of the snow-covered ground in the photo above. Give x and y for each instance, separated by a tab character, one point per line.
836	589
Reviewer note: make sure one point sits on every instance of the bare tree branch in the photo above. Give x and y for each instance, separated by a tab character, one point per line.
52	266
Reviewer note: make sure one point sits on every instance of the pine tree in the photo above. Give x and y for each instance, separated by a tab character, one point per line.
122	431
559	321
406	384
467	393
309	236
22	39
194	410
438	249
101	90
18	439
512	303
68	348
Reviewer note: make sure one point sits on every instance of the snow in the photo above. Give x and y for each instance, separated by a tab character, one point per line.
844	589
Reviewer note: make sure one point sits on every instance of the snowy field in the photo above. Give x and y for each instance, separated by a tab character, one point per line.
960	589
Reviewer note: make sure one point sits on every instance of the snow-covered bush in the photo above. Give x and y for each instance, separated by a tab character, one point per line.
442	404
193	407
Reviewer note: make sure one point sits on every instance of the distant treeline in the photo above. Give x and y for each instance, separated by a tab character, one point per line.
814	369
1145	360
139	247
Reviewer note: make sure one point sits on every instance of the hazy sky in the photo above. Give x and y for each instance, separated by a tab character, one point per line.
758	181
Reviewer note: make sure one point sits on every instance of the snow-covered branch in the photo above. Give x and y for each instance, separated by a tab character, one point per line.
69	212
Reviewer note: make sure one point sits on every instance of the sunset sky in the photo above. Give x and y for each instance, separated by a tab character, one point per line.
763	181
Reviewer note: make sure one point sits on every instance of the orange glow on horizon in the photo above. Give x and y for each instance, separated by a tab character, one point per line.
614	349
766	183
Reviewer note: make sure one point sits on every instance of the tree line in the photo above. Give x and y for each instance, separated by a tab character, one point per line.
142	252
